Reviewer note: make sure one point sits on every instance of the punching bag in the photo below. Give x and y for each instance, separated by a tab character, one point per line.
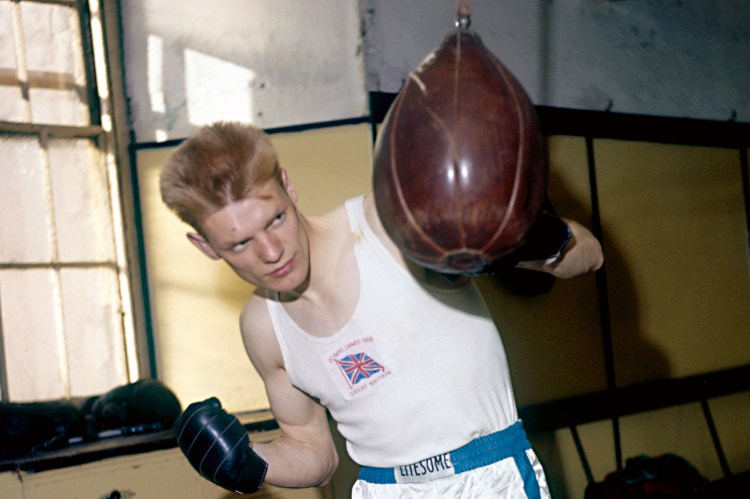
459	163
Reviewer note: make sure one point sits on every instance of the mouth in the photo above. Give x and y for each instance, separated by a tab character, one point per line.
284	270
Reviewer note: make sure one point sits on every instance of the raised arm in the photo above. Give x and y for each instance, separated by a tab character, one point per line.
304	454
218	447
581	252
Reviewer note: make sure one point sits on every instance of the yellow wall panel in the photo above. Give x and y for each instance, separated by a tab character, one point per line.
152	475
676	241
11	486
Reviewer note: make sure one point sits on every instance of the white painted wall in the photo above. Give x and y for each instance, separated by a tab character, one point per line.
283	62
681	58
268	62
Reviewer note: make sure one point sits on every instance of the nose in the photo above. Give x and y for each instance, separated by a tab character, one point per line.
269	248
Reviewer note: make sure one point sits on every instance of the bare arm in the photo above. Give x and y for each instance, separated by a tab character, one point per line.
304	454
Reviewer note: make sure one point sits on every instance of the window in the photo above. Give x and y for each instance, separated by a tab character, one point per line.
66	311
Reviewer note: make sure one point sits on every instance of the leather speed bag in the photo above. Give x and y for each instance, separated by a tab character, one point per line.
459	164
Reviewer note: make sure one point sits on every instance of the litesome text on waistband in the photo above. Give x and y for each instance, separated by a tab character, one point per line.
425	470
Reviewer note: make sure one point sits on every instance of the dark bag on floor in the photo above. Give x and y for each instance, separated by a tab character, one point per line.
668	477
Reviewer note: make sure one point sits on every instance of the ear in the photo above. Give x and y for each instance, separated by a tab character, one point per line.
201	243
288	186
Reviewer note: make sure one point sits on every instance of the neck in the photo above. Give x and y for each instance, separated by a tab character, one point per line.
327	246
301	291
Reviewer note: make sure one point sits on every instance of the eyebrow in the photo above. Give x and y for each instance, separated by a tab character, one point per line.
234	242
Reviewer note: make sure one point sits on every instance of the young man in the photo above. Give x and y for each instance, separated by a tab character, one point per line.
409	364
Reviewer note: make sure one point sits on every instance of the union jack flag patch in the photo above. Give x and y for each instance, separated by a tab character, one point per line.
359	366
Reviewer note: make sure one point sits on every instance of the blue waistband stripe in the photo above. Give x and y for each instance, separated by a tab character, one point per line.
483	451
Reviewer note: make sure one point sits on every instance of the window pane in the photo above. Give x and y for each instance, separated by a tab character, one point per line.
51	36
93	330
23	207
57	107
81	202
29	332
54	63
11	102
7	45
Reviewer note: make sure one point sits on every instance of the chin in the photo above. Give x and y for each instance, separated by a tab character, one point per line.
294	281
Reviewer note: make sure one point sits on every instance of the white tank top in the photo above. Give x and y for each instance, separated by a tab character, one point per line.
416	371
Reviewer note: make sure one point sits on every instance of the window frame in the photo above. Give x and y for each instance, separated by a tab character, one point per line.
104	96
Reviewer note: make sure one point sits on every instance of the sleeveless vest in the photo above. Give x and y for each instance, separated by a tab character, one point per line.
415	372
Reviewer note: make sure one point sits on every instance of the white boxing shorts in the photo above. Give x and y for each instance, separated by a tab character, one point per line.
499	465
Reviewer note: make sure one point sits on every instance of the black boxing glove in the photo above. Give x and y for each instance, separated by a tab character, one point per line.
217	446
545	240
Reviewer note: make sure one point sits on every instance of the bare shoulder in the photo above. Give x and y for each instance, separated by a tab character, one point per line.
331	224
257	335
330	216
373	220
371	214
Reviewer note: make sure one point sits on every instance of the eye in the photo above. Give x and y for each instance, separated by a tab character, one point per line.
236	247
278	218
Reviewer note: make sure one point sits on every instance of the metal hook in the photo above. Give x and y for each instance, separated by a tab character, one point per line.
463	12
463	21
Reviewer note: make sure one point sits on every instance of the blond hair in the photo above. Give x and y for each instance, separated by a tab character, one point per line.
221	163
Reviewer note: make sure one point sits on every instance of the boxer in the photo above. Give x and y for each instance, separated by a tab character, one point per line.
409	364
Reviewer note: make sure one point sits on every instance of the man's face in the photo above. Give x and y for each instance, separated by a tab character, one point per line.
261	237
